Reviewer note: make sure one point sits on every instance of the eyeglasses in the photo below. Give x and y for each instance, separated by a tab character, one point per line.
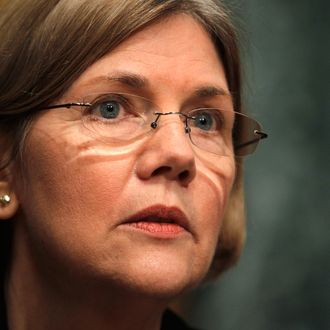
123	118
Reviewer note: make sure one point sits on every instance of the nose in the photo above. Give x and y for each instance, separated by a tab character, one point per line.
168	153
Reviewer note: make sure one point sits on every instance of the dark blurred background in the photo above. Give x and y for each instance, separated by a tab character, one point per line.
282	280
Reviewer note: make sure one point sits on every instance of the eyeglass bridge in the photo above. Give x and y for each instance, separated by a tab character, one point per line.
187	129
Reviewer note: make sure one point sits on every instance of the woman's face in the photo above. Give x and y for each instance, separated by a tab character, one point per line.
93	211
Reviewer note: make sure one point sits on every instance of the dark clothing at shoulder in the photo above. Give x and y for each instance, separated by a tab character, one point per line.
170	322
173	322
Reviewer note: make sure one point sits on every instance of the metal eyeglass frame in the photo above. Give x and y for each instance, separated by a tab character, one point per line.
261	135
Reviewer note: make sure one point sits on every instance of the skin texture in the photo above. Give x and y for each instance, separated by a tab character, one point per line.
69	241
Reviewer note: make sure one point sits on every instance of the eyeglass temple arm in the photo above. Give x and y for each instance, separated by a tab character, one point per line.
67	105
262	135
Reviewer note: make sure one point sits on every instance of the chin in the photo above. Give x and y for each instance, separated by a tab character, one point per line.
161	287
163	280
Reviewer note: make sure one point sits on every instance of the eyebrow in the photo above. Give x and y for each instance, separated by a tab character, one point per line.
137	81
209	91
129	79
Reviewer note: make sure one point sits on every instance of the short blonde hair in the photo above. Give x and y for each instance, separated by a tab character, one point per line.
46	45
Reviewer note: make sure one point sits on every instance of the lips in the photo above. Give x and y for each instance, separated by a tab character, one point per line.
159	217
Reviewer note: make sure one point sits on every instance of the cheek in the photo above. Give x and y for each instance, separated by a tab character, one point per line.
218	176
71	190
210	196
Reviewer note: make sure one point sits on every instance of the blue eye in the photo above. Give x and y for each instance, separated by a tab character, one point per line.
204	121
109	109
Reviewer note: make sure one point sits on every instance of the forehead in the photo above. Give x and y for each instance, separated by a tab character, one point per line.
174	53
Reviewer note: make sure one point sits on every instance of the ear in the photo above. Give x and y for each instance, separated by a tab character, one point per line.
8	201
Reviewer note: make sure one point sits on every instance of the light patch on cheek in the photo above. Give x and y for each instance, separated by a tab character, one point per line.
75	143
219	173
218	178
91	151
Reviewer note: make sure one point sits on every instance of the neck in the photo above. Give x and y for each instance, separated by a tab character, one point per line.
34	307
36	301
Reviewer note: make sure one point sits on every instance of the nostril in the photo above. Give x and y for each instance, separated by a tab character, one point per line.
161	170
184	175
168	171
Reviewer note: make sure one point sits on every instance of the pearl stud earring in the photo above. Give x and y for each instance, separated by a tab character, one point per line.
5	199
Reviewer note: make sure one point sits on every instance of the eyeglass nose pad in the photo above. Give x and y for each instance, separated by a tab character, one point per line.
153	125
187	129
